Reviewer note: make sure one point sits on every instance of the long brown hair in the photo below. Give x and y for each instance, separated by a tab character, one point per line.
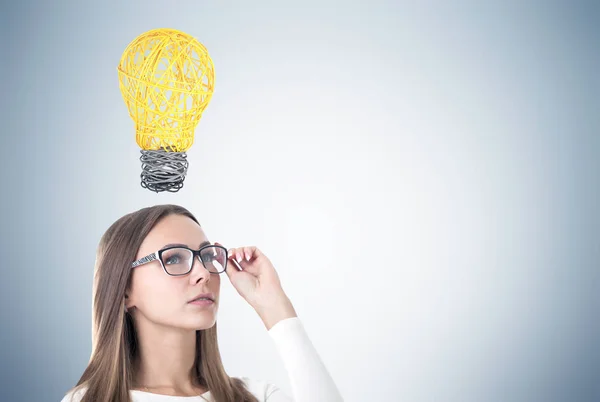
109	374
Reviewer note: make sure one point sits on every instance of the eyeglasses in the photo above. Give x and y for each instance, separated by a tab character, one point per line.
178	260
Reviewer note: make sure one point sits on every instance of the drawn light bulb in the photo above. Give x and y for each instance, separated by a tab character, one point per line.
167	79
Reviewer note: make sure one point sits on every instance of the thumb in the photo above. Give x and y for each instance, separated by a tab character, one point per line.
231	269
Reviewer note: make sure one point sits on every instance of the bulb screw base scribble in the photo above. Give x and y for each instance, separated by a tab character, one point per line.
162	170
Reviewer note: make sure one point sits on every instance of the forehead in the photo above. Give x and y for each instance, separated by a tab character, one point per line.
173	229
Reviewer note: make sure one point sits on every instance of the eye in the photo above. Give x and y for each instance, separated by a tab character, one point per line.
208	257
173	259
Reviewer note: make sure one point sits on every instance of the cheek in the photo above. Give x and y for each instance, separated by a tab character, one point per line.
215	284
154	293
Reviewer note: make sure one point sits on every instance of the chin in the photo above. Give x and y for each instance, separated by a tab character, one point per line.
204	325
201	322
195	326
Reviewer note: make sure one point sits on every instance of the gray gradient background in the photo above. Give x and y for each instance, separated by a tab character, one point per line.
445	159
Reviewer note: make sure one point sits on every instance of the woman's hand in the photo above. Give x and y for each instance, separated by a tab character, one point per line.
258	283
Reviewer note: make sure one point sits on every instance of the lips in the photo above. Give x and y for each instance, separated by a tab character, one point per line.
203	296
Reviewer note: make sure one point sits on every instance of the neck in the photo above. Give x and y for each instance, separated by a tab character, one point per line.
165	359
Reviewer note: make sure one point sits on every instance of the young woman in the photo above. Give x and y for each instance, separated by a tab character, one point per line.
155	301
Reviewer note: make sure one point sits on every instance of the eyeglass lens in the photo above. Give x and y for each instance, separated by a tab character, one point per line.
178	261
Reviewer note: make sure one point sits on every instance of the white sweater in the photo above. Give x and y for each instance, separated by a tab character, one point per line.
309	379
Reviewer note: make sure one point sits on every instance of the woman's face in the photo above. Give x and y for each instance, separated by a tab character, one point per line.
165	299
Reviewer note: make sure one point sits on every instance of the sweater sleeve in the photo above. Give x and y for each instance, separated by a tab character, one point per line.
309	379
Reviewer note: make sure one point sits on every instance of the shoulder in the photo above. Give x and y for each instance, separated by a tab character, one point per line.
264	391
74	395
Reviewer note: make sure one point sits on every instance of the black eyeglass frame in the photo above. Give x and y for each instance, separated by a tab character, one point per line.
157	256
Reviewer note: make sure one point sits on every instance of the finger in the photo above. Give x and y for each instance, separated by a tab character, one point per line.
244	259
239	259
236	254
249	252
231	269
248	262
252	252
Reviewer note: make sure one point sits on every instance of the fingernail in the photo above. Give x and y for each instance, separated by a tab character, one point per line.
239	257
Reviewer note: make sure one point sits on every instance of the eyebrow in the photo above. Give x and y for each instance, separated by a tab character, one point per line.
204	243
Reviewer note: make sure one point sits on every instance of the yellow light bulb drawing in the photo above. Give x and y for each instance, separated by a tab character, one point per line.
167	79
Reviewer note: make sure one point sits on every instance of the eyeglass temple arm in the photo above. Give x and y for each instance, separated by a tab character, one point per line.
144	260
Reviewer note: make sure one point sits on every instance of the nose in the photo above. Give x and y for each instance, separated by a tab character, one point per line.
199	273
